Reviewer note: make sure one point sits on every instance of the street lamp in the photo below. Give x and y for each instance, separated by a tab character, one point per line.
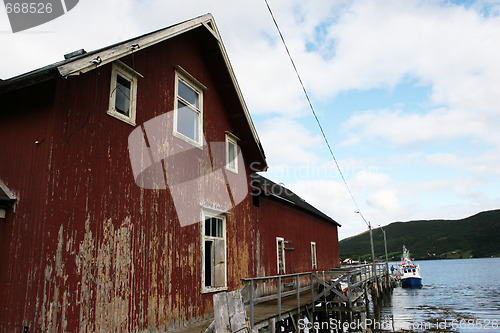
386	257
371	242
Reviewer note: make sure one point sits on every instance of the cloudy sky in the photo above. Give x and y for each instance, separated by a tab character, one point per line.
408	93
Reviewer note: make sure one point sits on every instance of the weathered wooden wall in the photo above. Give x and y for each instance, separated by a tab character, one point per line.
87	249
280	219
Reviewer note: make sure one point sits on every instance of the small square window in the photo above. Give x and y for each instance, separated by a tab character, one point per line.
123	93
188	111
231	153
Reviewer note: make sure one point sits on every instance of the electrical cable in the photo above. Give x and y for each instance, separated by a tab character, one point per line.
314	113
89	111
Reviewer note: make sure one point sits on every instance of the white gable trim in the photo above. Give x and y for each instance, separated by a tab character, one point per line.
94	60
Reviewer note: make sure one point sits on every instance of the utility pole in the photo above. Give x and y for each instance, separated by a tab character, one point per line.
373	251
371	242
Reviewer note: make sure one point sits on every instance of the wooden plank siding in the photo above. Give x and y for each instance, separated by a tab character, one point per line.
86	249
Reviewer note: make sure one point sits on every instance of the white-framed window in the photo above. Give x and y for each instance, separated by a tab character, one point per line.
123	93
231	153
188	108
214	260
313	255
280	255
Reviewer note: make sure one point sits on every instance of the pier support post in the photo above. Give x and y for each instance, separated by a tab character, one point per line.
363	321
272	326
367	299
323	321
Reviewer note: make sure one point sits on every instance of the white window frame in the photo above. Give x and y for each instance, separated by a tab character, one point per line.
209	214
314	258
230	138
191	82
278	240
119	68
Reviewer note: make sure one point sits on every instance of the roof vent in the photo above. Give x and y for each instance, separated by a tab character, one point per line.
74	54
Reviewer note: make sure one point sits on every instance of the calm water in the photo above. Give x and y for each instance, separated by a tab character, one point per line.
460	295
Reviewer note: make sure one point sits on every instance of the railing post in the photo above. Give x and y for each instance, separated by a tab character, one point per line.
297	283
251	304
279	298
349	290
312	292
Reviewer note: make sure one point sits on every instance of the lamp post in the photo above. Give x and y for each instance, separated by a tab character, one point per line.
386	257
371	242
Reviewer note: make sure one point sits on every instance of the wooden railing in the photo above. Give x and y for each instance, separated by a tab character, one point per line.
342	282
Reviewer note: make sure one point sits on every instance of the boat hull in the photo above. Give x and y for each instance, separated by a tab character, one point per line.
411	282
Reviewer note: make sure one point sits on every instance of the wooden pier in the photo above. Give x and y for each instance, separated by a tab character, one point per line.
287	300
315	298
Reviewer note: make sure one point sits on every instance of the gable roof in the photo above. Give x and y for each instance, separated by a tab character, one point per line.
270	188
88	61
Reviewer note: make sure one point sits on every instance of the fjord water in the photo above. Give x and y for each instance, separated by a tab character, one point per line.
461	295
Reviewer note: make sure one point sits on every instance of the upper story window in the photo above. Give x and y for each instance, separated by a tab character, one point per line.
188	110
123	93
231	152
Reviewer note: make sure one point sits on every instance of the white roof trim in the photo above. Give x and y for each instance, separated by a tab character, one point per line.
86	64
7	191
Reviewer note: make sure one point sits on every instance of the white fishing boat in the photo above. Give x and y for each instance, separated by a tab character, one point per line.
409	272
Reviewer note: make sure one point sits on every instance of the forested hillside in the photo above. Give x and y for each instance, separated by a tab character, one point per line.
475	236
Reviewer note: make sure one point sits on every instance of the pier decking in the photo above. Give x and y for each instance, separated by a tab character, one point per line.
284	299
271	299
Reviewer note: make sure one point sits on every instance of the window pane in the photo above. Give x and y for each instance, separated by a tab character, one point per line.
219	228
187	121
122	93
188	94
207	226
208	263
231	154
214	227
219	276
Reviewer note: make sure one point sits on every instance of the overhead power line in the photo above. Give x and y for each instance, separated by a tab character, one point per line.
314	113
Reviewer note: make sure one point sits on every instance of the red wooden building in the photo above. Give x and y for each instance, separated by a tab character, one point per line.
99	152
294	236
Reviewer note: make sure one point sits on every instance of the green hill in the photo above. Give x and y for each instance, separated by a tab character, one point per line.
476	236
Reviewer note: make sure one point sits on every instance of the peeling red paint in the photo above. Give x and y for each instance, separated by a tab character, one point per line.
87	249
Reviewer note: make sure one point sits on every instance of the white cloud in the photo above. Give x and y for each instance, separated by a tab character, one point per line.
332	198
453	50
402	128
484	165
385	201
288	142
